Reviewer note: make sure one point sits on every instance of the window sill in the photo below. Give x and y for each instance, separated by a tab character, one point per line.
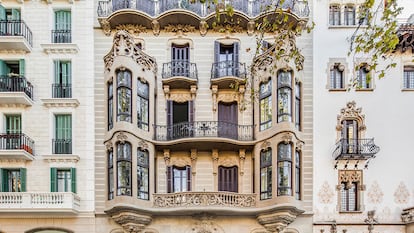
337	90
64	48
364	89
345	26
351	212
61	102
64	158
407	89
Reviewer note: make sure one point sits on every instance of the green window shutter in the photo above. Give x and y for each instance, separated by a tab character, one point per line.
63	127
53	181
3	180
2	13
66	72
4	69
15	14
22	67
23	179
62	20
13	124
57	72
73	179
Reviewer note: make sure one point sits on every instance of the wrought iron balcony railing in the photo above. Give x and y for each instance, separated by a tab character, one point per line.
203	199
359	149
61	90
228	68
61	36
16	28
204	129
250	8
16	84
62	146
16	141
179	68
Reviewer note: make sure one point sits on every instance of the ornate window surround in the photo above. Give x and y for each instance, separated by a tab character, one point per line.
369	72
342	64
351	176
351	112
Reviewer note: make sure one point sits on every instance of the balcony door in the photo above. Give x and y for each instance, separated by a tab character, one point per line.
228	179
180	60
180	117
227	120
227	59
10	24
13	131
350	136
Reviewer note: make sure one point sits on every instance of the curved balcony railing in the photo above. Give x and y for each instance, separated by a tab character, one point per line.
16	141
179	68
204	129
228	68
355	149
16	28
16	84
202	199
250	8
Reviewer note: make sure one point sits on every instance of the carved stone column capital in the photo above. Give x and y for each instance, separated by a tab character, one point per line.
167	157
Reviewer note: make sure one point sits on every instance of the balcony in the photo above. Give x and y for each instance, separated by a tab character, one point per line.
226	73
31	202
61	36
179	74
15	90
204	129
62	146
62	90
204	199
355	149
15	35
16	146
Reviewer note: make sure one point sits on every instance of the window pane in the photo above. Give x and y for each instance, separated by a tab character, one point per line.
409	77
110	106
124	169
142	174
284	96
63	181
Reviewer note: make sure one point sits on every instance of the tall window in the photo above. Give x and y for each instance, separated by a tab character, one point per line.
363	78
350	136
266	105
226	60
297	175
284	96
143	174
178	179
228	179
13	131
62	86
409	77
298	93
62	32
63	180
9	18
63	134
334	15
124	96
124	171
349	196
143	105
180	60
349	15
336	77
284	166
110	175
13	180
110	106
266	174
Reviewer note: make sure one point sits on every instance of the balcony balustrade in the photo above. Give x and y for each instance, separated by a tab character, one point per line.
62	146
61	36
10	31
250	8
228	69
61	202
16	83
179	68
358	149
61	90
204	129
203	199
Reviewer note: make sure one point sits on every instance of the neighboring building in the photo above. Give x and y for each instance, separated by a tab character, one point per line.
362	176
178	148
47	115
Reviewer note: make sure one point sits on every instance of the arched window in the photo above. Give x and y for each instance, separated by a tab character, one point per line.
110	175
334	15
297	174
284	167
284	96
266	174
124	175
265	105
349	15
124	95
110	106
337	76
298	104
143	105
143	174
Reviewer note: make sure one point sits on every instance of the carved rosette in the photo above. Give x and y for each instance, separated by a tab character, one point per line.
279	220
131	222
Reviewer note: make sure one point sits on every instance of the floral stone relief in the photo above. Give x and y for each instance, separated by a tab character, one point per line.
325	193
375	193
401	194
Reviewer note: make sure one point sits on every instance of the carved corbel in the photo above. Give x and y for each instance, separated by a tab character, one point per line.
132	222
215	156
265	145
155	27
287	138
166	89
121	137
214	90
167	157
109	146
193	157
143	145
242	157
242	90
299	145
106	26
193	91
203	28
250	27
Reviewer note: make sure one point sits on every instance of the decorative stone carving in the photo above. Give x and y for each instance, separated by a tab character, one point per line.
167	157
179	28
123	45
180	161
214	91
155	27
143	145
265	145
251	25
375	193
134	29
106	26
109	146
205	224
371	220
242	157
325	194
121	137
180	97
287	138
228	28
227	97
299	145
401	194
407	215
193	157
353	113
130	221
228	161
279	219
215	156
203	28
349	177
